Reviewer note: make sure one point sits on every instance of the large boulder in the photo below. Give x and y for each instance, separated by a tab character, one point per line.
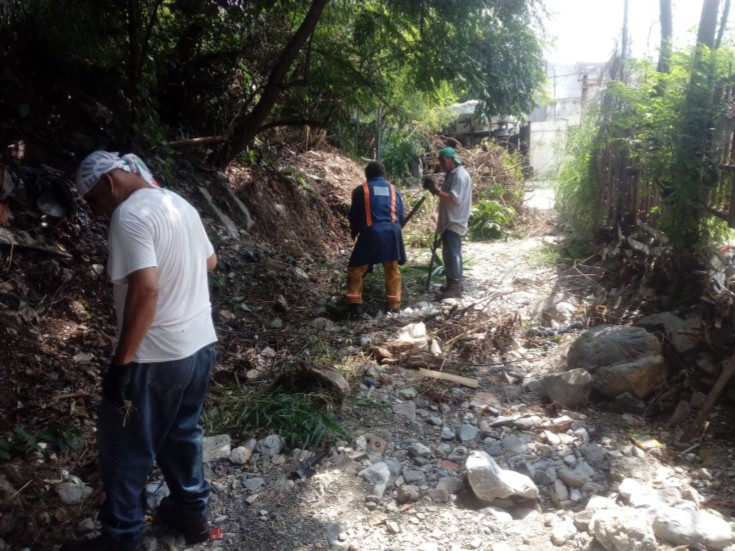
620	359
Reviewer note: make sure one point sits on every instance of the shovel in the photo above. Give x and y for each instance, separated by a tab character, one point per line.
431	260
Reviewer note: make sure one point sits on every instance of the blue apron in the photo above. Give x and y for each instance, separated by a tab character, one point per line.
375	218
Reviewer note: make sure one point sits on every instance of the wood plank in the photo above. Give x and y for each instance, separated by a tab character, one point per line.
466	381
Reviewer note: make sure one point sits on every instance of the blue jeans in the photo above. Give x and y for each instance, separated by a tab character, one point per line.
452	256
162	425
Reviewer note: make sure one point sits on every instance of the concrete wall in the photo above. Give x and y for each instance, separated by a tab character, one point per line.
570	88
547	147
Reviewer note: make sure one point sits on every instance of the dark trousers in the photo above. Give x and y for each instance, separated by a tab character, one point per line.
452	256
160	425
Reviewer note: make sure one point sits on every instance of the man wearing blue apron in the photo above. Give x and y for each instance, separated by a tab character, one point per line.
375	216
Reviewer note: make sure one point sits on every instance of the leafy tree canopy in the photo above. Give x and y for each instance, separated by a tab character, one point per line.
153	71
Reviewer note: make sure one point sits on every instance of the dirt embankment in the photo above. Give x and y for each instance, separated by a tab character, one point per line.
57	323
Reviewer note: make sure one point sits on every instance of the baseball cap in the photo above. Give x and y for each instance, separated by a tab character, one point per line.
451	153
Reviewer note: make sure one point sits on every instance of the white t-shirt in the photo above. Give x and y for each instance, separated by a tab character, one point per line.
453	216
157	227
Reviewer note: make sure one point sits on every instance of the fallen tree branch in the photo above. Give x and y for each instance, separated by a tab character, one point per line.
728	368
466	381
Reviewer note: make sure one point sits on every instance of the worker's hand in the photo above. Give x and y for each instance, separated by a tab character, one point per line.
429	185
115	381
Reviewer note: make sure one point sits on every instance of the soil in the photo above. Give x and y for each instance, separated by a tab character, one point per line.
57	329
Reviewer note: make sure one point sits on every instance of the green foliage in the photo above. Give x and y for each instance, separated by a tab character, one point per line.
400	149
301	180
414	277
302	420
6	450
373	290
498	190
694	167
146	72
576	191
544	257
24	440
419	232
217	281
64	438
489	219
386	410
660	127
19	443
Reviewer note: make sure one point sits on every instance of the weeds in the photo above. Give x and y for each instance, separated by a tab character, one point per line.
544	257
490	220
385	409
20	443
304	421
64	438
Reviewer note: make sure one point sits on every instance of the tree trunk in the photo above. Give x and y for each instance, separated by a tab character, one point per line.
694	160
246	125
723	23
624	40
708	23
135	60
138	42
664	55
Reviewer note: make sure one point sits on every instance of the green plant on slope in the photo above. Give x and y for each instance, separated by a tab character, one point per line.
544	257
489	220
19	443
303	420
63	437
576	186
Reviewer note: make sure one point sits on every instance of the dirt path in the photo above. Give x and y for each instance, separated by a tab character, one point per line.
337	508
421	431
399	482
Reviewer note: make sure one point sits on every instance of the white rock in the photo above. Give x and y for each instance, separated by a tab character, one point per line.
377	474
72	493
216	447
497	513
268	352
488	481
563	531
622	529
414	333
691	528
271	445
240	455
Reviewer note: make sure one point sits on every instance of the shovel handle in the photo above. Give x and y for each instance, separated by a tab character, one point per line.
431	260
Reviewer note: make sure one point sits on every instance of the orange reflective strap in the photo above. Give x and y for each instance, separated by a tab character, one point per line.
368	215
393	215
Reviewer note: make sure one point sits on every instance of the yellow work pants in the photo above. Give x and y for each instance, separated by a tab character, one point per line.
356	274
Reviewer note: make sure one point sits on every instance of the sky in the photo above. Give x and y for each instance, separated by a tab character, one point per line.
588	30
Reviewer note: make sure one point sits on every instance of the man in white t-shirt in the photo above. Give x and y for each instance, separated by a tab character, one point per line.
455	201
154	389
